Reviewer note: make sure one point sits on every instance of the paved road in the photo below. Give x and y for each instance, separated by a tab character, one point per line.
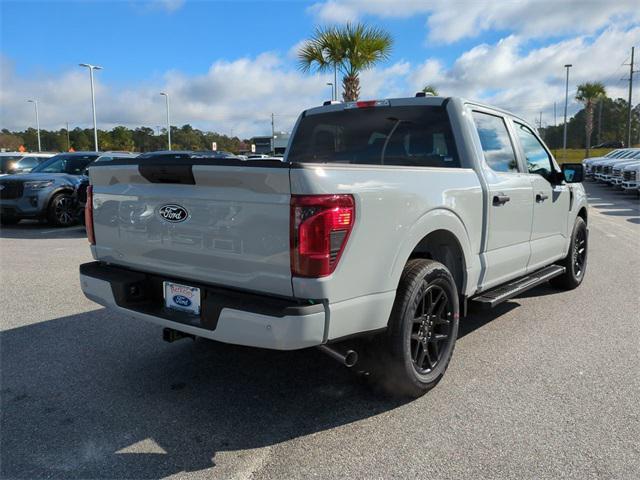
547	386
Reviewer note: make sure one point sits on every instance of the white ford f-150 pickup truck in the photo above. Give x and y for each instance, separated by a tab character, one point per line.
383	221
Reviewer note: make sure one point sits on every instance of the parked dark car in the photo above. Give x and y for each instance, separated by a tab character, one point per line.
7	159
610	144
29	162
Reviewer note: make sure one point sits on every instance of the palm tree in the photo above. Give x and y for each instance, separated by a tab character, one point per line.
432	89
589	93
349	49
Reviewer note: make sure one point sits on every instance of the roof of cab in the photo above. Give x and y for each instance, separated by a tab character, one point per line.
428	100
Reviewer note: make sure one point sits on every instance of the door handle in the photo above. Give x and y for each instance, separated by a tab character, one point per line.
541	197
500	199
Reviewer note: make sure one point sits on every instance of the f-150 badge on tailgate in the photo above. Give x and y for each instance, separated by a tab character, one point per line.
173	213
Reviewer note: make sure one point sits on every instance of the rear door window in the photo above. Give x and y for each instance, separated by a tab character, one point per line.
418	136
496	142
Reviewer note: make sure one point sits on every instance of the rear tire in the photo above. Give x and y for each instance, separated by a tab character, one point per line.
575	263
62	211
413	355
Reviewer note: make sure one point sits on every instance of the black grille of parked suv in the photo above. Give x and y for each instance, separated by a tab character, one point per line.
607	170
11	189
630	175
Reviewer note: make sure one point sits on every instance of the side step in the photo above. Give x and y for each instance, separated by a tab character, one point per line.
496	296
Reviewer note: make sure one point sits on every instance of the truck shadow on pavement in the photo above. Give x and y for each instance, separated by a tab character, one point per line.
34	230
94	396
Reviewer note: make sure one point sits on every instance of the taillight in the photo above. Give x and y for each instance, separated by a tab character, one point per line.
320	228
88	216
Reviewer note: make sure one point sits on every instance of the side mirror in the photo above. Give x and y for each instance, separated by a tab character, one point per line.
573	172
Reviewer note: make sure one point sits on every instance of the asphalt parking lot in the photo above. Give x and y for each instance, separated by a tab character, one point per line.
545	386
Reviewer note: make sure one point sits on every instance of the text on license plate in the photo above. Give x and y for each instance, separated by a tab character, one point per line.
182	297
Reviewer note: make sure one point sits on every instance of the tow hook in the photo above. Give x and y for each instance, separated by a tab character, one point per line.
348	359
171	335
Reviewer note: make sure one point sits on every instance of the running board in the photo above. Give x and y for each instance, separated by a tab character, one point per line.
496	296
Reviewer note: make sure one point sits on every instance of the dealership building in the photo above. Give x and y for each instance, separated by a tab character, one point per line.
268	145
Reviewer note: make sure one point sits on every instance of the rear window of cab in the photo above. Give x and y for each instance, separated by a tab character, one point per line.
416	136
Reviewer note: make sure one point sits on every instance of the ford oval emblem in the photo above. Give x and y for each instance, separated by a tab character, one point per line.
173	213
181	300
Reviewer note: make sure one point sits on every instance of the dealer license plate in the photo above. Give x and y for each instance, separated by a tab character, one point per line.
182	297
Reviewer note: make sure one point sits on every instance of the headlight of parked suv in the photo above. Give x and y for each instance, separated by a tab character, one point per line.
38	185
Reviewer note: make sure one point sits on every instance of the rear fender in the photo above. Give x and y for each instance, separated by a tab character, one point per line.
438	219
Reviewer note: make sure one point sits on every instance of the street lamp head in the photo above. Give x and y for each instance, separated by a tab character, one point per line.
91	67
32	101
568	65
165	94
330	83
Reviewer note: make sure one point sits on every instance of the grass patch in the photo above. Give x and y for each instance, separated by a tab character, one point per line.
576	155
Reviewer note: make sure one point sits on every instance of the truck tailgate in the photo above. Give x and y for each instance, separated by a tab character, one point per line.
225	225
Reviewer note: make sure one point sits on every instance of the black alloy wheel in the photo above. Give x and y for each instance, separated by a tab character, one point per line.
62	211
579	252
431	328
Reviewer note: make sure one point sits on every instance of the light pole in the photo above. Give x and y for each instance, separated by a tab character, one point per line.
166	96
35	102
330	84
93	101
566	102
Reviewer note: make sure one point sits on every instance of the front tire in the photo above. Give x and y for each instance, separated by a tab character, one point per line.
575	263
62	211
414	354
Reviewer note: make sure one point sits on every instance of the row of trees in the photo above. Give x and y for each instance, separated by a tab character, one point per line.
608	124
141	139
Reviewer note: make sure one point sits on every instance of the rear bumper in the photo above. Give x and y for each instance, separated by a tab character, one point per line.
227	316
630	185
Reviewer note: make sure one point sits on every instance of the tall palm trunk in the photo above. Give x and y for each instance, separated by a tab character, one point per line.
351	88
588	126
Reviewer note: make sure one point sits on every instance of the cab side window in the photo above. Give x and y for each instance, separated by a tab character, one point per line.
496	143
538	160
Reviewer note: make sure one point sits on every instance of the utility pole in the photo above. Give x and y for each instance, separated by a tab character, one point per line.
631	72
35	102
555	119
273	133
68	138
600	120
566	102
93	101
166	96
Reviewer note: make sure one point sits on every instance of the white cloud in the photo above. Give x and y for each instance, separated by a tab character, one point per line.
168	5
238	96
529	81
449	21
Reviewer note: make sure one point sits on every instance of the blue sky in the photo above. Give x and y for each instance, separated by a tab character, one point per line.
137	40
229	64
